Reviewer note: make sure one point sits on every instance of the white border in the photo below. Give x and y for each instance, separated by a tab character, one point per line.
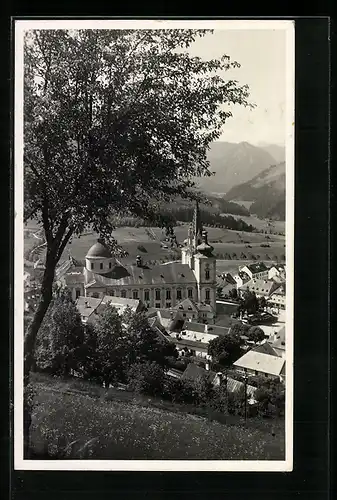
149	465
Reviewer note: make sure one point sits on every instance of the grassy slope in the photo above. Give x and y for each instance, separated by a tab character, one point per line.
132	428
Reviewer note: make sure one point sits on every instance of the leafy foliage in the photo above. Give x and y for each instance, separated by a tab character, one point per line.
146	377
61	338
256	334
225	350
102	110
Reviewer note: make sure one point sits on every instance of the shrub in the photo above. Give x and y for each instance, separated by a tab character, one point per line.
146	378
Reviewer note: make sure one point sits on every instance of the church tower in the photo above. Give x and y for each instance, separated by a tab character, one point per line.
197	227
205	271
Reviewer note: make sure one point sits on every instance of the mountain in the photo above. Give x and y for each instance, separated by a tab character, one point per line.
266	190
275	150
233	164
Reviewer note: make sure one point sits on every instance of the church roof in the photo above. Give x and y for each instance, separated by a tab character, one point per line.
99	250
173	273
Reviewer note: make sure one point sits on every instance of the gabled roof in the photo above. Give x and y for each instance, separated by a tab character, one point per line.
257	267
121	303
265	348
260	286
280	341
258	361
173	273
194	372
87	305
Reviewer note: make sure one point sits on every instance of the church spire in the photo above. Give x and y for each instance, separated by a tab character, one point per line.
197	225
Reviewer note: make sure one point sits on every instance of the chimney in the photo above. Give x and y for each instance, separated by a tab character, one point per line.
86	303
206	328
207	366
138	261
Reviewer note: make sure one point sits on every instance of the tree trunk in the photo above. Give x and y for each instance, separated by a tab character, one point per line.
46	296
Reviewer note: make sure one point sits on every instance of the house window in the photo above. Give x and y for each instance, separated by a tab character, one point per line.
110	265
135	294
157	294
190	293
168	294
184	314
207	292
101	265
78	292
157	305
168	305
112	293
123	293
178	294
92	265
147	295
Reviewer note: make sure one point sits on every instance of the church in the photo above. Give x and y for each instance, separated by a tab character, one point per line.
161	286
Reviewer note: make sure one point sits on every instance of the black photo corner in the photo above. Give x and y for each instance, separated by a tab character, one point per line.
314	316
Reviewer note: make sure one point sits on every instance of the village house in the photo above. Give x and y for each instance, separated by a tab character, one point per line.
277	271
196	311
255	363
261	287
278	343
257	270
277	297
194	372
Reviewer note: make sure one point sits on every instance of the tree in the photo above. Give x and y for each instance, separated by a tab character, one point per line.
146	378
270	396
143	344
224	350
219	292
256	334
102	110
233	294
238	330
111	347
262	303
60	342
249	302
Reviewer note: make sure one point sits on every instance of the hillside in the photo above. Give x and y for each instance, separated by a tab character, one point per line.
233	164
121	426
266	191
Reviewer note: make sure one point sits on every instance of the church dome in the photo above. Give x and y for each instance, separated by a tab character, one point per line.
99	250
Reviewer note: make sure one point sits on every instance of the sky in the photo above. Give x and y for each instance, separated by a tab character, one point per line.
262	55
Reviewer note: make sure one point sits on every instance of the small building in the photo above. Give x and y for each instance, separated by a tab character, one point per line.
257	270
277	271
261	287
255	363
277	298
241	278
90	307
192	310
170	319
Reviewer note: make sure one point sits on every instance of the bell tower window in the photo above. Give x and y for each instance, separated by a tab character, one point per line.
207	273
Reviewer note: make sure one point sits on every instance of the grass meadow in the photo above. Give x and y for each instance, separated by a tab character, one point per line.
74	419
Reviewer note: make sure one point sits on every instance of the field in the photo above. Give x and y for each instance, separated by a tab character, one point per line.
130	427
147	243
272	226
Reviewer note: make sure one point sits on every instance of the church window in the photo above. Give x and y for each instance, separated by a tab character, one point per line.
157	294
207	274
92	265
135	294
157	305
178	294
168	294
168	305
101	265
78	292
190	293
146	295
110	265
123	293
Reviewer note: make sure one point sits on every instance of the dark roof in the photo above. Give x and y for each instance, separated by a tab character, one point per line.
257	267
99	250
194	372
87	305
169	274
265	348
